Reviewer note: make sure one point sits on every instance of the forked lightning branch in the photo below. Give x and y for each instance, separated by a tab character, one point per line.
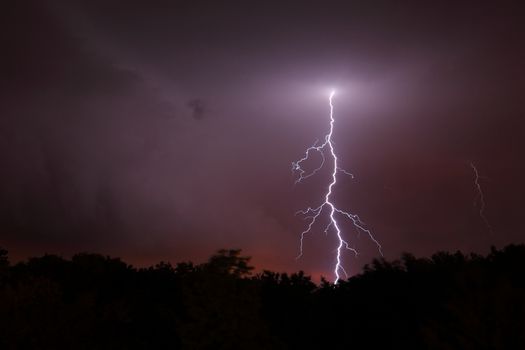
327	206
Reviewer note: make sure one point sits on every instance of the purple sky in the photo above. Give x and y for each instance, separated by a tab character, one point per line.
166	130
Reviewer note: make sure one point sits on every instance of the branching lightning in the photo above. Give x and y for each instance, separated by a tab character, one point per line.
312	214
479	200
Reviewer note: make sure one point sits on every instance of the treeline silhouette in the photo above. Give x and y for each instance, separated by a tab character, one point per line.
448	301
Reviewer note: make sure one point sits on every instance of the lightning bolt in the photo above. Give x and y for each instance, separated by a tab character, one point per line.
312	214
480	197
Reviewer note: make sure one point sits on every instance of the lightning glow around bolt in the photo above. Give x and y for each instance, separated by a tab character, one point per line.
480	197
312	214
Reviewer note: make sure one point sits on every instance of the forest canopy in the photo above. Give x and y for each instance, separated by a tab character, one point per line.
91	301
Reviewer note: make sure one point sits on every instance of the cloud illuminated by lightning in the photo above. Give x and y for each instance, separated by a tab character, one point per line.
312	214
480	197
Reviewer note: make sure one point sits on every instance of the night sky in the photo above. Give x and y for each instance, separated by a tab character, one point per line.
165	130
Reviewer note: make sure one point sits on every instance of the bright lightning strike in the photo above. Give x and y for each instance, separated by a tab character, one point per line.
312	214
480	197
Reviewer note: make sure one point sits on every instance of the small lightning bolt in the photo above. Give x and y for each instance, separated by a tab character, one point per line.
480	197
312	214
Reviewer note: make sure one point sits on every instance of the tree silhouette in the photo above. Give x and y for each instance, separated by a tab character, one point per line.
229	262
91	301
4	261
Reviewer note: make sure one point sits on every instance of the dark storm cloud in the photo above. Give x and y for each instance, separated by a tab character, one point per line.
100	151
197	108
71	128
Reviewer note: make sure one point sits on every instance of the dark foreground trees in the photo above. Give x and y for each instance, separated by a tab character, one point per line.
449	301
